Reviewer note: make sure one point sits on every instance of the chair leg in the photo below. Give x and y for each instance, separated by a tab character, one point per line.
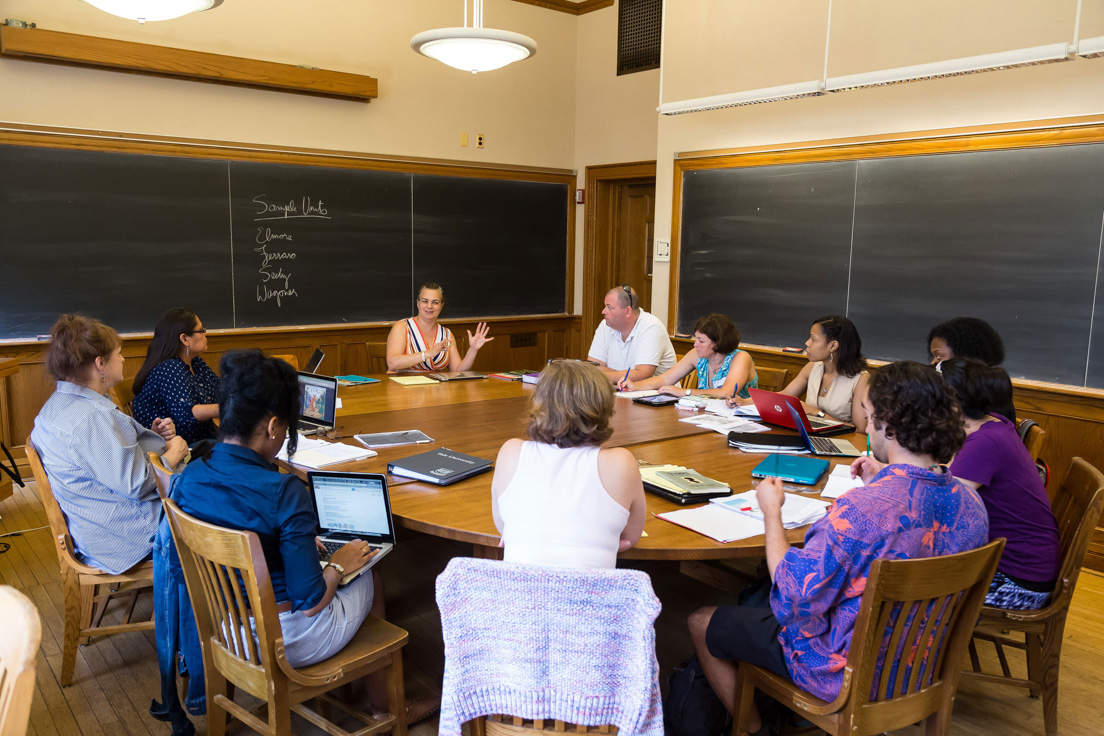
975	663
74	604
279	713
478	727
100	608
396	693
215	685
1050	652
87	609
745	701
1034	654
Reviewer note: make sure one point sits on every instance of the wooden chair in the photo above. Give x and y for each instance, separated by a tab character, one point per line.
773	379
84	604
1077	505
161	473
872	700
228	583
502	725
1033	439
377	357
124	395
19	640
294	361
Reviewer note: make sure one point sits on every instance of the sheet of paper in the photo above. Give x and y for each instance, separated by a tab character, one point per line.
635	394
840	482
413	380
722	424
338	402
796	510
715	523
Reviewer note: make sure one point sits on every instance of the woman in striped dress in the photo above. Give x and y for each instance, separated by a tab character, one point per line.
419	343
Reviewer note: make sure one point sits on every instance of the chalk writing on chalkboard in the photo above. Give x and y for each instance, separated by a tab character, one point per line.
275	246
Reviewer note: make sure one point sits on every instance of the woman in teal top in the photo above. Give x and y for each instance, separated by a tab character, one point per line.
723	369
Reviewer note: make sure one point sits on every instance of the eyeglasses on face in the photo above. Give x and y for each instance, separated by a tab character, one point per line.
200	331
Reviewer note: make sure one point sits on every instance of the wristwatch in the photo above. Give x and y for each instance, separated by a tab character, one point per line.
820	413
689	391
334	565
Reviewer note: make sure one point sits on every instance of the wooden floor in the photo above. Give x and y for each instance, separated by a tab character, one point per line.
116	677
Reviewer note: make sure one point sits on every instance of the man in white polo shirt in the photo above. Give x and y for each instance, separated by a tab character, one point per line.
630	339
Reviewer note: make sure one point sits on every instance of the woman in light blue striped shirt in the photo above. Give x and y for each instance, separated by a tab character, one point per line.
94	454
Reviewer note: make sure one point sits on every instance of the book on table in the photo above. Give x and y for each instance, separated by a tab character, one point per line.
414	380
681	485
393	439
353	380
511	375
533	377
777	443
322	454
441	466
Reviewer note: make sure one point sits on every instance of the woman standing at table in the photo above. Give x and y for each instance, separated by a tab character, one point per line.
560	499
419	343
175	381
834	381
723	369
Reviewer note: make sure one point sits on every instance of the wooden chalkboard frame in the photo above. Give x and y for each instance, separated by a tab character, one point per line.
1019	136
112	142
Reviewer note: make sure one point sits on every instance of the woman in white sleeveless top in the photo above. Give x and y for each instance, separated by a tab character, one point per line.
559	499
834	381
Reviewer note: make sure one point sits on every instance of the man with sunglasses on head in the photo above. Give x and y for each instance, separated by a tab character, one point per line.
630	343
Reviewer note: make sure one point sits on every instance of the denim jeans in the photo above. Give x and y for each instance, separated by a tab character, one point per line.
176	635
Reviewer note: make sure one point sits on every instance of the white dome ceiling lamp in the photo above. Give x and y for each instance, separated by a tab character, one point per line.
474	48
143	10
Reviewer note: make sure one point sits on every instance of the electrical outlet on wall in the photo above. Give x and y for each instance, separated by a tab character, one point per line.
662	251
478	140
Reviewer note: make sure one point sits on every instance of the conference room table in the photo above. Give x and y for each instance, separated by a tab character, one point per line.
477	416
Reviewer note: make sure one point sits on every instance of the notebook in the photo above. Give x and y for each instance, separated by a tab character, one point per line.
441	466
352	506
413	380
772	409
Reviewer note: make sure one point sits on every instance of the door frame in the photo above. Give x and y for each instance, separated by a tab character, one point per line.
601	220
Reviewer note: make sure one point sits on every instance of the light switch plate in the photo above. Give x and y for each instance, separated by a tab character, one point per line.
662	251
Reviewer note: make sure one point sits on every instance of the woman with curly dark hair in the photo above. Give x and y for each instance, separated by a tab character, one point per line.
965	337
910	506
561	499
834	381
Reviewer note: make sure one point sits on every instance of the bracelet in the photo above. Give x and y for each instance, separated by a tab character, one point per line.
334	565
423	356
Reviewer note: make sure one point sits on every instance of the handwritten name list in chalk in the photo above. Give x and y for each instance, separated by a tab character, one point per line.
275	244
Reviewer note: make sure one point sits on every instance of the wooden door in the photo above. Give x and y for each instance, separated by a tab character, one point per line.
632	256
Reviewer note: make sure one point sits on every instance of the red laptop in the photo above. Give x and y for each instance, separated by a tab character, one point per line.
772	409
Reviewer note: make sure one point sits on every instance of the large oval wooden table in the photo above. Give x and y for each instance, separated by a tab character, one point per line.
477	416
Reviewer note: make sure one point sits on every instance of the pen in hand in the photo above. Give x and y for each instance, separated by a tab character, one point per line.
621	383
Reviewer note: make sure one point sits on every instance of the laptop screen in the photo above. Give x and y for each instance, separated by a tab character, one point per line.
351	504
317	400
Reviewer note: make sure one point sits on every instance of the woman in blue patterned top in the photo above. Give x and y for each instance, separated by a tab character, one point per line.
175	381
723	369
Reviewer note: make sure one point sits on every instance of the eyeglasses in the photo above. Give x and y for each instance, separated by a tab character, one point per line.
200	331
428	302
628	292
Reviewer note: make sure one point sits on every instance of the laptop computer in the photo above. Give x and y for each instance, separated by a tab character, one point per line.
315	361
822	445
770	406
456	375
352	506
317	402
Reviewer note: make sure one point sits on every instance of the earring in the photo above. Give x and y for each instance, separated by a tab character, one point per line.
831	357
187	351
103	377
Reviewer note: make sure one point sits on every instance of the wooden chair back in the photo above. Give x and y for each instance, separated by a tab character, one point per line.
1077	505
690	380
918	615
291	359
161	473
228	582
1033	440
59	527
124	395
19	640
377	357
773	379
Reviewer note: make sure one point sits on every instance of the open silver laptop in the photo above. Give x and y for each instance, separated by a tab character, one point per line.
352	506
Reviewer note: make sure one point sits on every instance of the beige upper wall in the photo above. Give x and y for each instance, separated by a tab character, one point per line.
526	110
615	117
1073	88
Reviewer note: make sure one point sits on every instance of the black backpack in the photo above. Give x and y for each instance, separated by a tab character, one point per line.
13	471
692	708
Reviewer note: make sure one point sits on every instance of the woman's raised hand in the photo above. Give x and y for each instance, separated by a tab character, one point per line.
479	339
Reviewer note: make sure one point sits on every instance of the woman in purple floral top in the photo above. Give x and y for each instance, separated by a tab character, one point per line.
910	507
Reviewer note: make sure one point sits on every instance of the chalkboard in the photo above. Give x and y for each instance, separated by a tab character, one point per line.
123	236
900	244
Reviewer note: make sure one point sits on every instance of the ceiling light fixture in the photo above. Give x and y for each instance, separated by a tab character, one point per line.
143	10
474	48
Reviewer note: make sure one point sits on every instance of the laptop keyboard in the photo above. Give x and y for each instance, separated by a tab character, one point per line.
332	547
824	446
820	423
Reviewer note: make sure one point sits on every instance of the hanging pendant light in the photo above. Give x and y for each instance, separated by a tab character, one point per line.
143	10
475	48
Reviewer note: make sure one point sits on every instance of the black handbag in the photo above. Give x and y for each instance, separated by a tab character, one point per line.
13	471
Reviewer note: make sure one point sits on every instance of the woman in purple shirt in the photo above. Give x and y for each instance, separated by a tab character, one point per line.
995	462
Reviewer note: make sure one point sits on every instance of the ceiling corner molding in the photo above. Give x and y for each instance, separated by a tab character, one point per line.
566	6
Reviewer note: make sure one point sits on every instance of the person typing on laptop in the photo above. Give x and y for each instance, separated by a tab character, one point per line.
237	487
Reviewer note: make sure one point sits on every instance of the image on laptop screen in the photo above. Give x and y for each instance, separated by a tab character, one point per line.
352	505
317	400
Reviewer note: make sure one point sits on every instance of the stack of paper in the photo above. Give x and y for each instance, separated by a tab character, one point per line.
840	482
796	511
413	380
635	394
723	424
320	454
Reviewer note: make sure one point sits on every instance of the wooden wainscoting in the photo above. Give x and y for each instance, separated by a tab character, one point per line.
535	341
1073	418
